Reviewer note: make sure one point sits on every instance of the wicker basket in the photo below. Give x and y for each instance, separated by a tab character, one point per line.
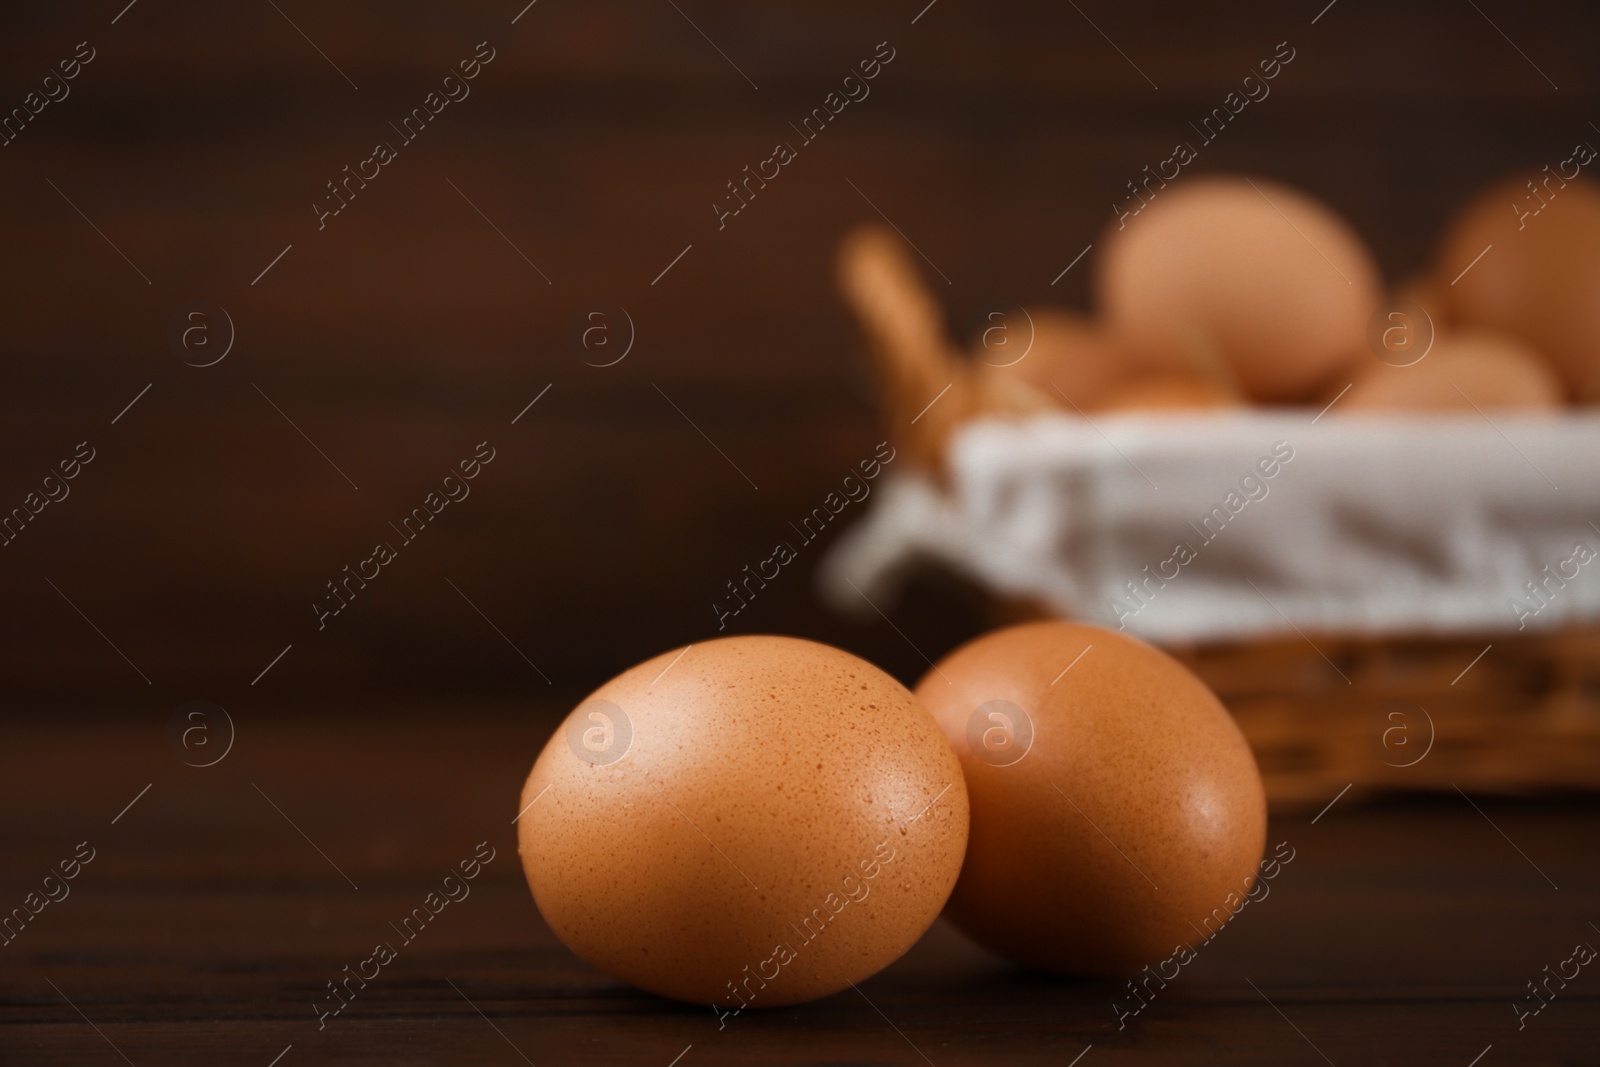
1324	713
1415	714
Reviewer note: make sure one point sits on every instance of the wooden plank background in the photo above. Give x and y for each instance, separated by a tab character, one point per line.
408	329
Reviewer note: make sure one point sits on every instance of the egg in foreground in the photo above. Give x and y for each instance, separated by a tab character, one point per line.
753	821
1117	811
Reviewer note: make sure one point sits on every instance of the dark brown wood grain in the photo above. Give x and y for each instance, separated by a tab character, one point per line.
206	924
408	329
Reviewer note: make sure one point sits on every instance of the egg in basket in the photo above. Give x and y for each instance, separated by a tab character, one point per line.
1329	498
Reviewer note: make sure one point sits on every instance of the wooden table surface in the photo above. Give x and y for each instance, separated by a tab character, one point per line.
219	903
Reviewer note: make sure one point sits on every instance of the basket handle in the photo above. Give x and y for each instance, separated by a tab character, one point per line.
928	386
925	383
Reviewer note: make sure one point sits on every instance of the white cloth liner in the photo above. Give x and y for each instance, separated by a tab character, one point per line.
1387	525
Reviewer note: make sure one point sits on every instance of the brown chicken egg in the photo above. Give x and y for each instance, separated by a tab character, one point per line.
1276	281
1068	358
1463	371
1170	391
1524	258
1117	812
747	822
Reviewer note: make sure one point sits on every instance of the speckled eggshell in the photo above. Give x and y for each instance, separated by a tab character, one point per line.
1121	829
755	821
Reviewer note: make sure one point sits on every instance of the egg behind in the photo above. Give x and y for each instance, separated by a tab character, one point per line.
1464	371
754	821
1069	359
1273	278
1116	809
1524	258
1172	391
